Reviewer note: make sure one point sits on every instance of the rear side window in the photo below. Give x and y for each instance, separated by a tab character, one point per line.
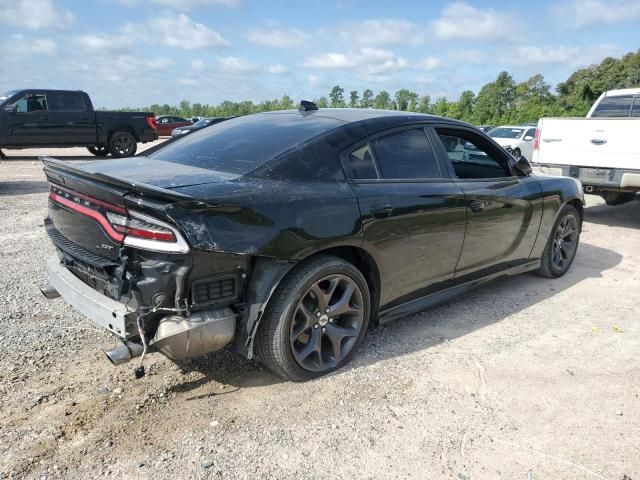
242	144
66	102
619	106
405	155
361	165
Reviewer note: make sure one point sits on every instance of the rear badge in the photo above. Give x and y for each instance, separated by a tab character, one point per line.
104	247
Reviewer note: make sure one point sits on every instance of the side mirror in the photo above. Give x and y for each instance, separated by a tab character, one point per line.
528	138
524	166
10	109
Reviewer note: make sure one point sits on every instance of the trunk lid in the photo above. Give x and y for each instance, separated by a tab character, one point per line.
88	200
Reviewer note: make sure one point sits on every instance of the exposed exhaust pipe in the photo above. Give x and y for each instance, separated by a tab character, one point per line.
49	292
124	353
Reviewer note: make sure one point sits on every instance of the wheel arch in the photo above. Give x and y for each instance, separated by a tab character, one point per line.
122	128
268	273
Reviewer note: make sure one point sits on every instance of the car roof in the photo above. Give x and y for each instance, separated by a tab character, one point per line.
622	91
349	115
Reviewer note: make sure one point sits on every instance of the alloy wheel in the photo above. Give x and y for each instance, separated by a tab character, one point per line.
123	144
326	323
565	242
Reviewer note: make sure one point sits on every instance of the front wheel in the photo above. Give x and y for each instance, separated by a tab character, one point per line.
99	151
562	244
122	144
315	320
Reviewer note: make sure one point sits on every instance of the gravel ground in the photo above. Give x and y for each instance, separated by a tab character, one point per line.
526	378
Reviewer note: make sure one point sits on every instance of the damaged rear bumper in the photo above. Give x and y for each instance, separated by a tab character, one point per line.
108	313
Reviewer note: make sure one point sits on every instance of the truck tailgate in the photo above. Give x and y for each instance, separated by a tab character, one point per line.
589	142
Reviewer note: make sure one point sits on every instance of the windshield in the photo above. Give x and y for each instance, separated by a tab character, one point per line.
505	132
202	123
7	95
242	144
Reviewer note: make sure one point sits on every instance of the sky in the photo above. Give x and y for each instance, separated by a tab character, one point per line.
141	52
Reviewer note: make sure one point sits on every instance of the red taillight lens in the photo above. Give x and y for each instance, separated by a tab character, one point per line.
536	140
151	121
129	228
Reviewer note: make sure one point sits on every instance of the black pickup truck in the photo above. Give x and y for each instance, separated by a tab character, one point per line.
64	118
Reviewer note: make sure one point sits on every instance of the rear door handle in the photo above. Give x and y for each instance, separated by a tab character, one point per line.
476	206
381	211
598	141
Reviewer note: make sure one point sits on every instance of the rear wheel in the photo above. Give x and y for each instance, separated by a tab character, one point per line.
316	319
99	151
122	144
562	244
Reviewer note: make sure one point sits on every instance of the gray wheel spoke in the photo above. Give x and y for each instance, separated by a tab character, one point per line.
309	320
343	305
313	345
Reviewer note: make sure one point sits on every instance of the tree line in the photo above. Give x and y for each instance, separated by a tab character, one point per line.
501	101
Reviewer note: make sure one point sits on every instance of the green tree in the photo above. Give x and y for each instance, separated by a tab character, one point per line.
337	96
382	100
425	104
367	99
322	102
286	103
441	107
353	99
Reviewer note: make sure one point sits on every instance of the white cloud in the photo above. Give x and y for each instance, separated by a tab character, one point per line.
184	5
197	64
101	43
584	13
236	65
463	21
429	63
369	61
559	55
175	31
374	33
276	37
34	14
276	69
32	46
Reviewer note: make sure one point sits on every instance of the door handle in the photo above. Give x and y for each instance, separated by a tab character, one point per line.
381	211
598	141
476	206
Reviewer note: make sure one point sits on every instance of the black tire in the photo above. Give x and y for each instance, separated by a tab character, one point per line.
618	198
122	144
562	244
99	151
279	346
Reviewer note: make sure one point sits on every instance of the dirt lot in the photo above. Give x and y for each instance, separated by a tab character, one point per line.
527	378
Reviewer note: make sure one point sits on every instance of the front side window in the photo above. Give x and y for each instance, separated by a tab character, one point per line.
405	155
32	102
470	158
66	102
619	106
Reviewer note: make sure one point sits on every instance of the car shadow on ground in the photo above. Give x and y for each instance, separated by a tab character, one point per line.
490	304
627	215
14	188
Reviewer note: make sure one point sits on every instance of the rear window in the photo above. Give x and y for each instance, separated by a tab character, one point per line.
242	144
619	106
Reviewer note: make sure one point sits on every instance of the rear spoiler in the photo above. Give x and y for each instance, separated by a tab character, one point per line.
52	164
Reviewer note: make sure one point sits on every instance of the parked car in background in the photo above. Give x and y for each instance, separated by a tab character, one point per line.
199	125
289	233
601	150
167	123
66	118
515	138
486	128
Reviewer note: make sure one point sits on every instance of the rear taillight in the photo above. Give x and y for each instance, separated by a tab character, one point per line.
536	140
129	228
151	121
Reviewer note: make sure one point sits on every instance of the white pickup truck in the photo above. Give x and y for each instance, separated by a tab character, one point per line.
601	150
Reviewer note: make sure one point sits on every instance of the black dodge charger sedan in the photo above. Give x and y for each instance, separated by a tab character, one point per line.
287	234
